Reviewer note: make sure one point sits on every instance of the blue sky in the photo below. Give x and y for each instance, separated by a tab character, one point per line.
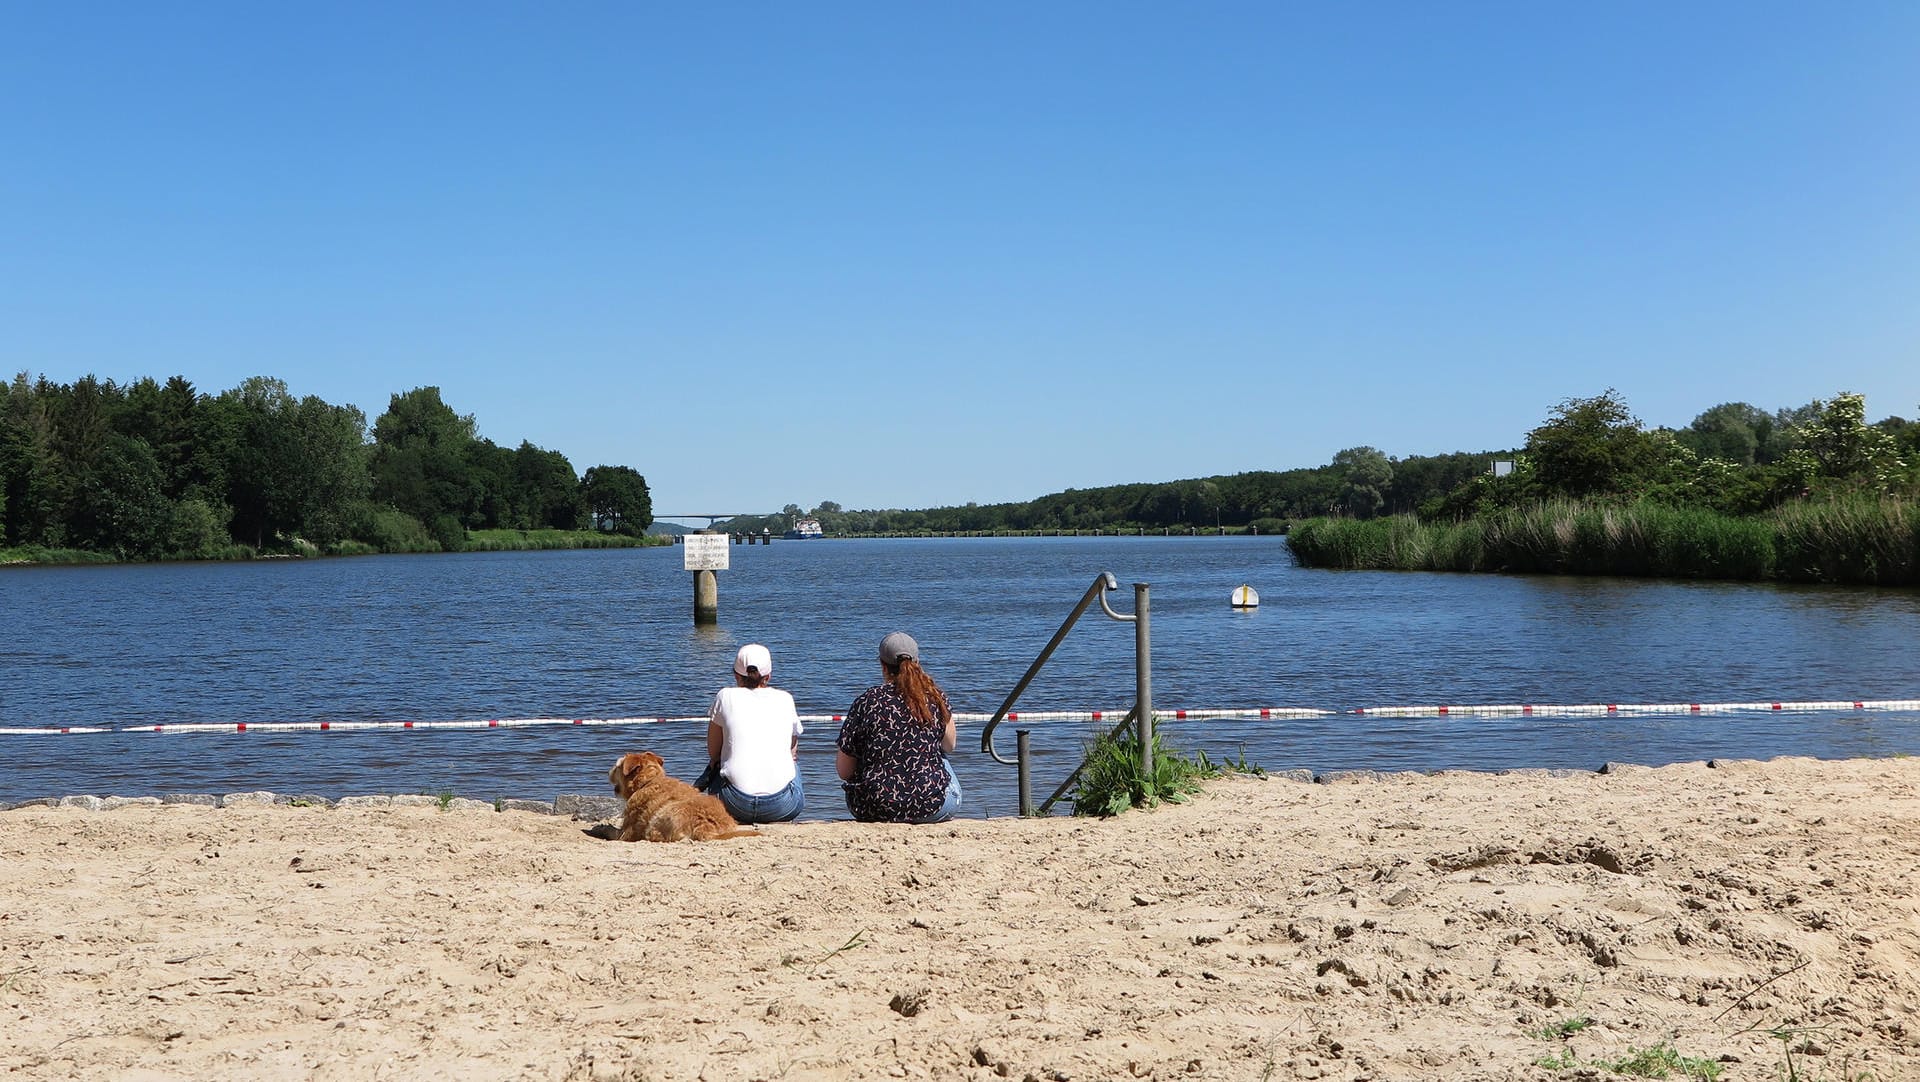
913	255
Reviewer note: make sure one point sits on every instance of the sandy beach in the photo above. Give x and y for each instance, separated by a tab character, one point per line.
1463	926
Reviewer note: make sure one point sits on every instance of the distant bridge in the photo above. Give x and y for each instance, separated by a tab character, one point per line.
711	519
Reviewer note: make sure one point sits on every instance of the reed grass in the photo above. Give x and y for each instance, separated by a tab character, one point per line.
1861	540
1849	539
530	540
230	552
40	554
1399	543
1643	539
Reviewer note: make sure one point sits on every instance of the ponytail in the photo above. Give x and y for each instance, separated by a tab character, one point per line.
925	701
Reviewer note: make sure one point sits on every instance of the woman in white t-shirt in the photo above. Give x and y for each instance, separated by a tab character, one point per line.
753	742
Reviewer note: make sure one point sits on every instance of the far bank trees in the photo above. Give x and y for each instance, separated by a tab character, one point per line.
152	470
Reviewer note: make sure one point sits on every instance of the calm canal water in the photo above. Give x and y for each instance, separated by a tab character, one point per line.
609	634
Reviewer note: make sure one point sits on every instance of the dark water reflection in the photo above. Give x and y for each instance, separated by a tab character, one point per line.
609	634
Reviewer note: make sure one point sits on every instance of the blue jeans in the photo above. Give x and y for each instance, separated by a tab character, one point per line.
952	802
781	807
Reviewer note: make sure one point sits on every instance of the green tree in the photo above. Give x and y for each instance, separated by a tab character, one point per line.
419	456
170	428
492	501
83	422
219	424
1733	431
260	450
1592	447
26	462
287	467
618	499
329	474
546	489
1365	473
1205	502
1845	448
121	506
196	530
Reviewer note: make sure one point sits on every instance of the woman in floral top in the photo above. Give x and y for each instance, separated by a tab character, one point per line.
894	742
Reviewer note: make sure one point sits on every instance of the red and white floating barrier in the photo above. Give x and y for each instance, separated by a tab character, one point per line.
1634	709
342	726
1264	712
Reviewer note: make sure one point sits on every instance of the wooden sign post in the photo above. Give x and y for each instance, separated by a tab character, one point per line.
703	554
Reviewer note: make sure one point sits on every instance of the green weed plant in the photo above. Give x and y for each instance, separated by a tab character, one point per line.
1659	1061
1663	1061
1111	780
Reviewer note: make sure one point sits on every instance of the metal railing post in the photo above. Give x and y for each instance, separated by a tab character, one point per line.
1142	679
1141	716
1026	775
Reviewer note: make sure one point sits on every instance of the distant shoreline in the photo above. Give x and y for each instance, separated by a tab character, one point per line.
477	541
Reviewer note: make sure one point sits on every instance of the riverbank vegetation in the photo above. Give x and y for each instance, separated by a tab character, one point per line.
532	540
1808	495
1812	493
1843	540
93	470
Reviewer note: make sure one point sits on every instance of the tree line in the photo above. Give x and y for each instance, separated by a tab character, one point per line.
153	470
1734	459
1258	499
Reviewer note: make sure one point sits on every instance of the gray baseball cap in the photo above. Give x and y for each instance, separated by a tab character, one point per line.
898	646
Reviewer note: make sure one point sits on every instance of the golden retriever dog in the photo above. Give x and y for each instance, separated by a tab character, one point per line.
666	809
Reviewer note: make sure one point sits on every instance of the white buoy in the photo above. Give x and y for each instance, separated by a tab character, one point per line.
1246	597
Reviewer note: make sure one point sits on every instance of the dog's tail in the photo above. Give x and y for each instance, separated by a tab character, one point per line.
737	832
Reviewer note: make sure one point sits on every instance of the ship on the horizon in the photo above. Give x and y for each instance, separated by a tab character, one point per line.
805	528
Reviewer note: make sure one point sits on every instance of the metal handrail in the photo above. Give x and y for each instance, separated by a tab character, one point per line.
1141	715
1101	584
